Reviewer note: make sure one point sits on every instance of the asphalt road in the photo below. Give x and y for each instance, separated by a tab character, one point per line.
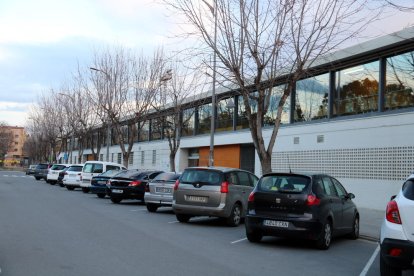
48	230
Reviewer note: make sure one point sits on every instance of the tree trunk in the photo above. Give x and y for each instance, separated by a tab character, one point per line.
266	162
172	161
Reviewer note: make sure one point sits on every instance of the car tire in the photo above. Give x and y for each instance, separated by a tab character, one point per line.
325	238
235	216
38	178
387	270
152	207
52	182
100	195
116	200
61	185
254	236
183	218
355	229
70	188
85	190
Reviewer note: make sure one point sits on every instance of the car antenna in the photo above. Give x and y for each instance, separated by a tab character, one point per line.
290	170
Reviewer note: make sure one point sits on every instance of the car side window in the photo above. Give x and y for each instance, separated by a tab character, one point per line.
97	168
110	167
318	187
339	188
244	179
328	186
253	179
233	179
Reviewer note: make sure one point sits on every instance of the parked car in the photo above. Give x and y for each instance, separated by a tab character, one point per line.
213	191
312	206
31	170
72	176
41	171
397	232
99	183
159	191
94	168
53	173
130	184
61	176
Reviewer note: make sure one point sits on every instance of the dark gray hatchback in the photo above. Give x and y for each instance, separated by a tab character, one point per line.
308	206
213	191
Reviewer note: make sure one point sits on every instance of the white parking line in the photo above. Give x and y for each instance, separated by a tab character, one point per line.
233	242
369	263
175	221
138	210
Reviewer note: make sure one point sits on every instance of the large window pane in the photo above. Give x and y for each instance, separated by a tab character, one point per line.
143	132
400	81
312	98
357	89
225	114
156	128
241	115
188	122
204	119
271	114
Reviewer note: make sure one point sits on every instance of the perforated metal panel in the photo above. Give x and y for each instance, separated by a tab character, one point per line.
392	163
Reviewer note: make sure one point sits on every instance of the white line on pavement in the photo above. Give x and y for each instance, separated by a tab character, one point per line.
175	221
369	263
233	242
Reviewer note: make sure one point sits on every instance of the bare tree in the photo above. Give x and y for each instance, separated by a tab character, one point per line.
258	43
124	87
6	141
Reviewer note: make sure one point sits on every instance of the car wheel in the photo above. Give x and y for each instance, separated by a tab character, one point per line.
61	185
116	200
85	190
387	270
152	207
355	229
254	236
100	195
235	216
52	182
183	218
324	240
38	178
70	188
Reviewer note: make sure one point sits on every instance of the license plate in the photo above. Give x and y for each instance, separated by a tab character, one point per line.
101	182
163	190
202	199
275	223
117	191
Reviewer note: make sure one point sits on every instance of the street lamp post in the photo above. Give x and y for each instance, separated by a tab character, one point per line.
108	131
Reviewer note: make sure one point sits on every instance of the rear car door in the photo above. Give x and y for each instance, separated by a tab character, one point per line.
334	202
348	207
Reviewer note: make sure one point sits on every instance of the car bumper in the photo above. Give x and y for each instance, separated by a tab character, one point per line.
127	193
305	228
165	200
99	190
405	260
219	211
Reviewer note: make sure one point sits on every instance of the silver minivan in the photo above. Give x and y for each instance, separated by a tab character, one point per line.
213	191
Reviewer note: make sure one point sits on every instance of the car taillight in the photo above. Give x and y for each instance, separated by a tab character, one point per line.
312	200
135	183
224	187
251	197
395	252
393	214
177	182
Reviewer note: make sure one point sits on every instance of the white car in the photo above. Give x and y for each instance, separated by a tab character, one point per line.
53	173
397	232
94	168
72	178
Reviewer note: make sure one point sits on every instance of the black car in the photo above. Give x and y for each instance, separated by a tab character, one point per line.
130	184
41	171
99	183
61	176
308	206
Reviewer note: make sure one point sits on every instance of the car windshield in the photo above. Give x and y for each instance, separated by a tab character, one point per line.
42	166
57	167
130	174
75	168
408	189
201	176
110	173
284	183
167	176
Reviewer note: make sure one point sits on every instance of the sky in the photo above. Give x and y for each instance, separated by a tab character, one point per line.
42	41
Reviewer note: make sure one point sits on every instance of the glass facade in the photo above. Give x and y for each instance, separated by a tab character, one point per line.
225	114
241	114
357	89
156	128
312	98
399	81
188	123
143	134
271	114
204	119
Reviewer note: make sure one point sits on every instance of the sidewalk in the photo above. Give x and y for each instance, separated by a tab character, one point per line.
370	223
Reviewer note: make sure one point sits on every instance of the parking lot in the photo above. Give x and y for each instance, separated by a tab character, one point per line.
48	230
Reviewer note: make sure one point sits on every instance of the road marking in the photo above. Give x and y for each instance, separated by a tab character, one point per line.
369	263
233	242
175	221
138	210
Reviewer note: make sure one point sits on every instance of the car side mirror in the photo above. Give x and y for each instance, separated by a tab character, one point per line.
350	196
392	197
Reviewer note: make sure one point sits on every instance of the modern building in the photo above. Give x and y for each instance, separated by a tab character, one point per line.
353	119
15	156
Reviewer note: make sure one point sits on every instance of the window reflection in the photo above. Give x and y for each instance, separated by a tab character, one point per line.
357	89
144	131
204	118
312	98
156	128
225	114
271	114
242	121
188	122
400	81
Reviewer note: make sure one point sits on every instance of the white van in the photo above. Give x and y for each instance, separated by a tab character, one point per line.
94	168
